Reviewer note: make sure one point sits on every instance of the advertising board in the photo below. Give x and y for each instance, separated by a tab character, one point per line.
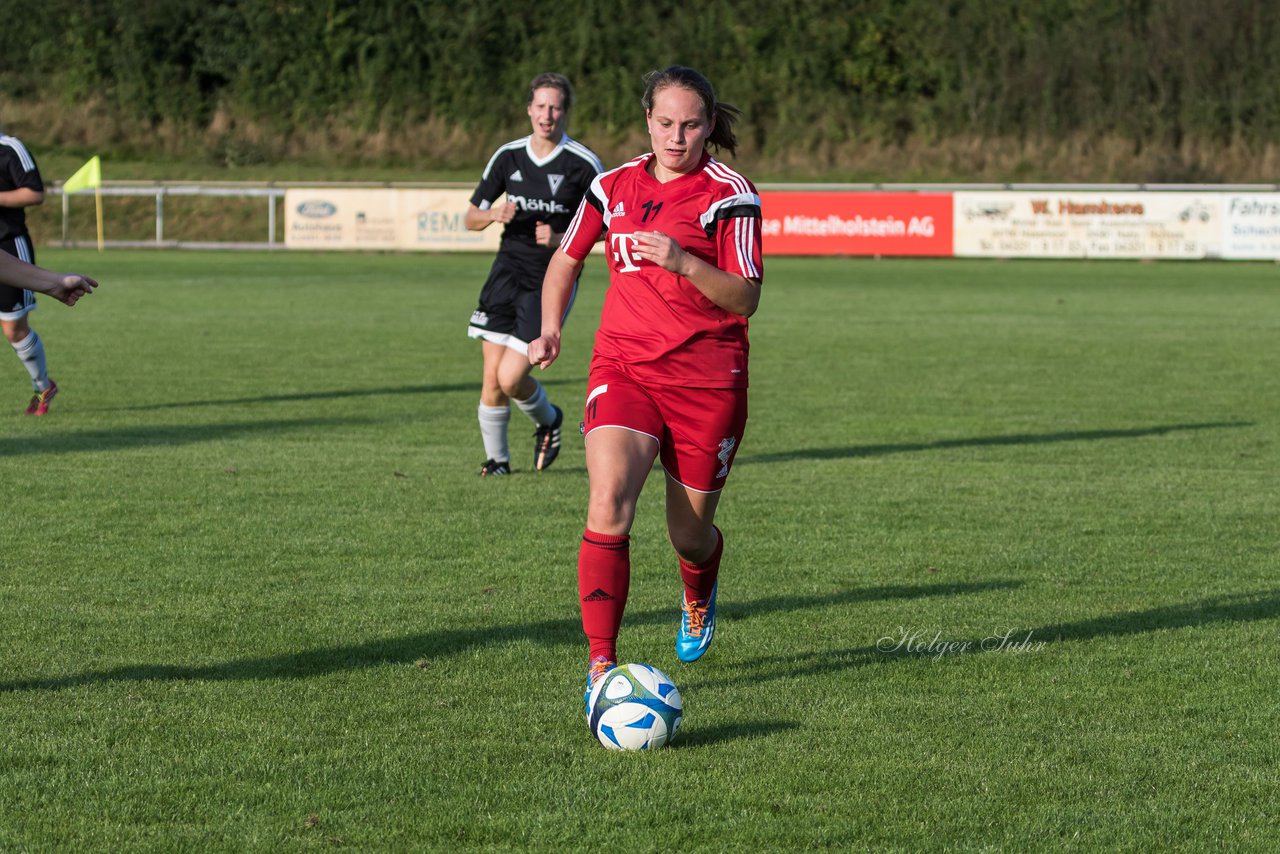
845	223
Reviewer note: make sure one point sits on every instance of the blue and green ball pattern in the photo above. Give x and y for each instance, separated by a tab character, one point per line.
635	707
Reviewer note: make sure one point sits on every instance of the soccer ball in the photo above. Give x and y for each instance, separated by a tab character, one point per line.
635	707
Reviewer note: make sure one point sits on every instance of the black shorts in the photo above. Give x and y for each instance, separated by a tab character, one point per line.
16	302
510	309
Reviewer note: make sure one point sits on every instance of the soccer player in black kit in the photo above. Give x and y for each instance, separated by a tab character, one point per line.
544	176
20	188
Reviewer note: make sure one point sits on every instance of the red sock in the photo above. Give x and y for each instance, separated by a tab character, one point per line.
700	578
604	576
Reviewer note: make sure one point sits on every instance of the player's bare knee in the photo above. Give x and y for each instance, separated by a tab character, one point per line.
16	331
693	544
520	387
491	393
610	514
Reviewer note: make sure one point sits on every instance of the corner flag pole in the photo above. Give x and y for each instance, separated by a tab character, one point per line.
89	175
97	198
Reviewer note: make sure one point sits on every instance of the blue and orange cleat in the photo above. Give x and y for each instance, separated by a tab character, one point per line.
697	626
596	669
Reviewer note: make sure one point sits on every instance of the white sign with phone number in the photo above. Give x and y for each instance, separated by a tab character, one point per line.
1076	224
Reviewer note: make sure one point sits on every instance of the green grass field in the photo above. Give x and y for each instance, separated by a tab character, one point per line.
255	597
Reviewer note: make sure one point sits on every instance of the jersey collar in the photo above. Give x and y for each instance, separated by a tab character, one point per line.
555	152
697	170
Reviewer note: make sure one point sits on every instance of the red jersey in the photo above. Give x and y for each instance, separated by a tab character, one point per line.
655	322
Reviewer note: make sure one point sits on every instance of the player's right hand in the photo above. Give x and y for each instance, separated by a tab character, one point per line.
544	350
504	212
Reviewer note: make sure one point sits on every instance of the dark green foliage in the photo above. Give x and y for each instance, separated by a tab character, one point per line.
808	73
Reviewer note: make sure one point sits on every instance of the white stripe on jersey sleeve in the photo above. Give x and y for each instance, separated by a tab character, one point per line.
24	156
743	263
725	175
598	184
744	230
596	191
575	147
709	216
572	231
515	143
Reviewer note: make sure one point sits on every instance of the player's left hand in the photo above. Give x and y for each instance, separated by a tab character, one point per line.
543	235
658	248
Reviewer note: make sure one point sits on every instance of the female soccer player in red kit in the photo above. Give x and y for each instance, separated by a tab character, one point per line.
668	377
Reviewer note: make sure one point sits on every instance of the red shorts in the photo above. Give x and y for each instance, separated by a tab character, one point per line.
698	430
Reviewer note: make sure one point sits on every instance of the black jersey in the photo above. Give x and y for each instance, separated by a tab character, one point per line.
544	190
17	169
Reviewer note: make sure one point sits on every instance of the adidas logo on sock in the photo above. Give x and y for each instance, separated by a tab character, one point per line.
597	595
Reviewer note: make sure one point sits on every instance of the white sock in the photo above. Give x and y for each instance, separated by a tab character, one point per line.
31	351
538	407
493	431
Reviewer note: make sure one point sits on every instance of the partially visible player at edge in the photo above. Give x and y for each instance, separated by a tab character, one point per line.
668	377
20	188
544	176
64	287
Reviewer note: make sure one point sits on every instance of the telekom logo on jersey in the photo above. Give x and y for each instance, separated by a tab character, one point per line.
622	244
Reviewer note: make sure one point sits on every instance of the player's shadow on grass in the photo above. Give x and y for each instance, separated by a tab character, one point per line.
425	650
740	731
914	643
159	435
855	451
336	394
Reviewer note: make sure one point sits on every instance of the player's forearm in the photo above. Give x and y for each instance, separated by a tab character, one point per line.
20	274
23	197
735	294
478	220
557	290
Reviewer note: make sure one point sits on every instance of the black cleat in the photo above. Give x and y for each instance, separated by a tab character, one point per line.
493	468
546	442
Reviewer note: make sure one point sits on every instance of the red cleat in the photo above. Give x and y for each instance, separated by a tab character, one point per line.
39	404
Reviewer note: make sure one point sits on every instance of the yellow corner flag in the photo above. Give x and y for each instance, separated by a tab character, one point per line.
89	175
